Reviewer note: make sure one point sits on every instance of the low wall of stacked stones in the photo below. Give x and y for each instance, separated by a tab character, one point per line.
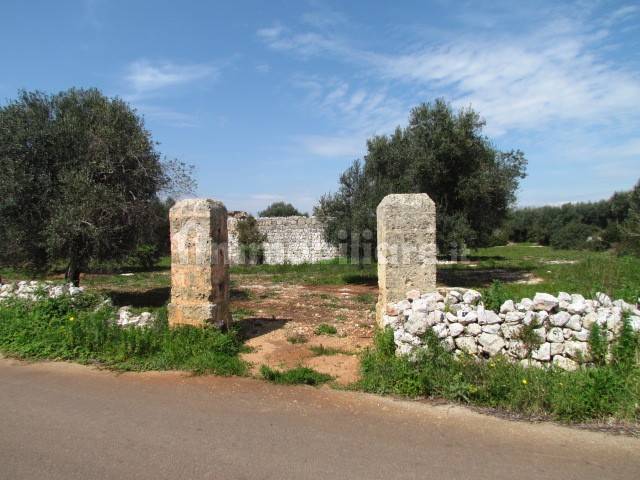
292	240
462	323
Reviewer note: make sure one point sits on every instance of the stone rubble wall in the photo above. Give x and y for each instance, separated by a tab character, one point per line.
459	319
34	291
292	240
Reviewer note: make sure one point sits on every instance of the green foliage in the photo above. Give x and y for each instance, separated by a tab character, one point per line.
442	153
81	178
630	230
145	256
494	296
295	376
281	209
585	225
78	329
597	345
251	241
325	329
597	393
576	236
529	337
624	352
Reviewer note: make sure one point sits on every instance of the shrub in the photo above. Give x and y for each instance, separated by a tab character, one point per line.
326	329
145	256
529	337
251	241
494	296
597	345
295	376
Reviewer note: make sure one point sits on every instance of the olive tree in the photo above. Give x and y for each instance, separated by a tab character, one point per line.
81	179
443	153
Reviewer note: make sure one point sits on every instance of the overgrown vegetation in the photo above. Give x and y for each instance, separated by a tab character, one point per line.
611	390
295	376
80	329
251	241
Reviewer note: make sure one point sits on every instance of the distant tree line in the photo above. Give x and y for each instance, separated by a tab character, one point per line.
601	225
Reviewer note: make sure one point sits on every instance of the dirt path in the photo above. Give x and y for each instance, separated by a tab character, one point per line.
280	323
65	421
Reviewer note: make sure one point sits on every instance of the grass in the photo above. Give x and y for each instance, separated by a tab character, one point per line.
295	376
608	391
297	338
367	298
333	272
320	350
242	313
617	276
326	329
73	329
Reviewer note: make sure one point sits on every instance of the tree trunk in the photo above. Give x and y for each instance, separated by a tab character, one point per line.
73	273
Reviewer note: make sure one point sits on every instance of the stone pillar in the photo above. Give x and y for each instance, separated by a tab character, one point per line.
199	263
406	247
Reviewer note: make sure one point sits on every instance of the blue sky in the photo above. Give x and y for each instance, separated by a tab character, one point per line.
272	100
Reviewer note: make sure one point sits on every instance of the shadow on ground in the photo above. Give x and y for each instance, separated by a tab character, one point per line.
479	277
155	297
252	327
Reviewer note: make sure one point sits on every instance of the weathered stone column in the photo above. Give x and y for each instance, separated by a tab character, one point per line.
406	247
199	264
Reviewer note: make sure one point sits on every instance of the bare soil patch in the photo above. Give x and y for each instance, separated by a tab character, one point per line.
279	323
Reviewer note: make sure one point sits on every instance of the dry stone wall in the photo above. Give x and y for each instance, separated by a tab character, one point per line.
462	323
292	240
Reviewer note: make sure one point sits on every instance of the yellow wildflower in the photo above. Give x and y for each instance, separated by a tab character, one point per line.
524	381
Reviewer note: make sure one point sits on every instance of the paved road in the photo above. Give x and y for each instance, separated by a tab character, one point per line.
61	421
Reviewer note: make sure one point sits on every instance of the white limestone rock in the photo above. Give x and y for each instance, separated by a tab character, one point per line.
492	344
507	306
473	329
544	301
489	317
467	345
455	329
416	324
565	363
471	297
555	335
577	350
542	353
560	319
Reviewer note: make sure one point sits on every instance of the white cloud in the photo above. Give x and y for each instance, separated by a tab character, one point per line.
168	116
519	81
144	77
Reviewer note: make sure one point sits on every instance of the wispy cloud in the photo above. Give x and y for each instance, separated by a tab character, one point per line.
517	81
168	116
144	77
